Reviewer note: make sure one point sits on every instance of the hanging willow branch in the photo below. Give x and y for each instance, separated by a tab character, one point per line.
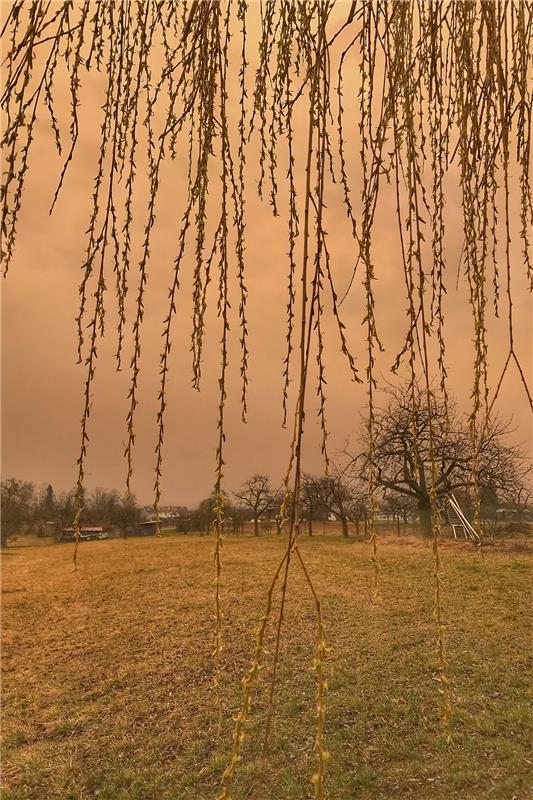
433	97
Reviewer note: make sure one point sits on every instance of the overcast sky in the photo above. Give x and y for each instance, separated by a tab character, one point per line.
42	385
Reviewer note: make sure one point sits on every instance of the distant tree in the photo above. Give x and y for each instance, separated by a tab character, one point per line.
17	499
401	452
358	509
49	507
311	502
232	515
338	493
45	509
257	495
517	495
66	506
489	502
101	507
275	508
239	515
125	514
202	517
400	507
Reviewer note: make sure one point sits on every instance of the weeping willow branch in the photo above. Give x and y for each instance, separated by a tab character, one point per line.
440	107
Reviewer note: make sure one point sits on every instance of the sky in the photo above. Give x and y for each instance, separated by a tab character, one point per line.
42	384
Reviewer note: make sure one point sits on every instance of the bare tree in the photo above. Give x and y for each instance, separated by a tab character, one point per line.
239	515
101	506
338	494
310	500
257	495
203	516
402	460
281	498
125	514
399	506
17	507
518	496
47	505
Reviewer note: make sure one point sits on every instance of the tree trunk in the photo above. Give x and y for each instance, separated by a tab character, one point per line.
256	526
424	514
4	538
398	524
344	522
310	525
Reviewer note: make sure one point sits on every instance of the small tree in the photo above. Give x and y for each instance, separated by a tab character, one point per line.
256	494
17	507
400	507
125	514
202	517
312	504
48	505
275	507
337	493
45	508
310	500
66	508
102	507
239	515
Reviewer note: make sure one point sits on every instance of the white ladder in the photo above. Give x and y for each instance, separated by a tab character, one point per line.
458	520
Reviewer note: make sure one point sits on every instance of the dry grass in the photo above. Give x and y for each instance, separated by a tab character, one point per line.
108	673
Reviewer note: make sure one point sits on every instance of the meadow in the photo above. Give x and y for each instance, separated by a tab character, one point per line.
108	683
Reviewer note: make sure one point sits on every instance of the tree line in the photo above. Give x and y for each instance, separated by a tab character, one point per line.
27	508
400	461
416	452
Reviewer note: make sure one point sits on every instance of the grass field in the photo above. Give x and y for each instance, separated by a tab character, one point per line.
107	672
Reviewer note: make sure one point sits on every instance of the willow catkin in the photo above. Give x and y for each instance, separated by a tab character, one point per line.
521	35
240	206
306	327
130	117
439	142
305	331
368	38
464	45
223	313
99	243
406	163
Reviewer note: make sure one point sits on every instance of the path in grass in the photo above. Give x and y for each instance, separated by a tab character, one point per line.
107	674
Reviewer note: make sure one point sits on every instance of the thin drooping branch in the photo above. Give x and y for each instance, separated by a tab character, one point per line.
441	106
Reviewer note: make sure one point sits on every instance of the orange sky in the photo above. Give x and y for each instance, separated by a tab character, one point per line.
42	385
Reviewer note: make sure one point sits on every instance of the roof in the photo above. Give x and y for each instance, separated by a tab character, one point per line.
84	530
